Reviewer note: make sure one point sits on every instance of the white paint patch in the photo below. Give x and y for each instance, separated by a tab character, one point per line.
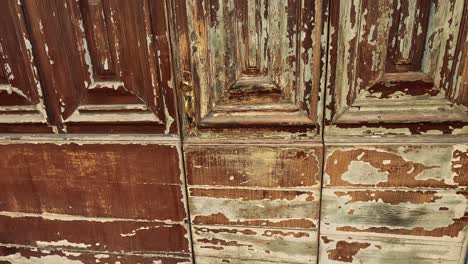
135	231
61	243
363	173
51	259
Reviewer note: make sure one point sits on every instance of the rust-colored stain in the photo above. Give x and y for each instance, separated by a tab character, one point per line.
460	166
345	251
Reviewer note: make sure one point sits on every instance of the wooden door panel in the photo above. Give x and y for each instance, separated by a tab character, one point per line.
94	196
383	198
254	202
106	64
21	100
399	67
250	64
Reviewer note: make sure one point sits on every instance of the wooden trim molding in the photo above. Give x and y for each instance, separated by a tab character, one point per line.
400	66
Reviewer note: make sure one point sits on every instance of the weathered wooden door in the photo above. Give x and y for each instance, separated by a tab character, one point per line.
233	131
396	167
92	169
355	107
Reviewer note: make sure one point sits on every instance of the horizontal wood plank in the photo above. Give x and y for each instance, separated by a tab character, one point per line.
96	180
255	207
256	244
93	163
431	213
13	254
386	250
118	200
96	234
253	166
438	166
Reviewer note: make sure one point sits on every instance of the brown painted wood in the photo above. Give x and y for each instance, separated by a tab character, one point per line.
12	254
93	234
110	196
95	180
21	98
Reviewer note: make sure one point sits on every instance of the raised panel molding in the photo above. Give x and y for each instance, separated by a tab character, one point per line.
21	103
397	66
106	64
250	64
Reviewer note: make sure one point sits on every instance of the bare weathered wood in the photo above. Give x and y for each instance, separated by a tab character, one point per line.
275	208
419	213
386	250
394	203
252	166
255	244
254	204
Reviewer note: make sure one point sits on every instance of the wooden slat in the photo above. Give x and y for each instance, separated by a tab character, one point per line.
13	254
386	250
118	200
96	234
253	166
280	245
442	166
96	180
246	207
94	163
439	214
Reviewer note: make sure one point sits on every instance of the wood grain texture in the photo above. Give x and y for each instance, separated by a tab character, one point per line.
255	244
247	207
96	180
95	234
106	65
386	250
252	166
14	254
102	196
419	213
